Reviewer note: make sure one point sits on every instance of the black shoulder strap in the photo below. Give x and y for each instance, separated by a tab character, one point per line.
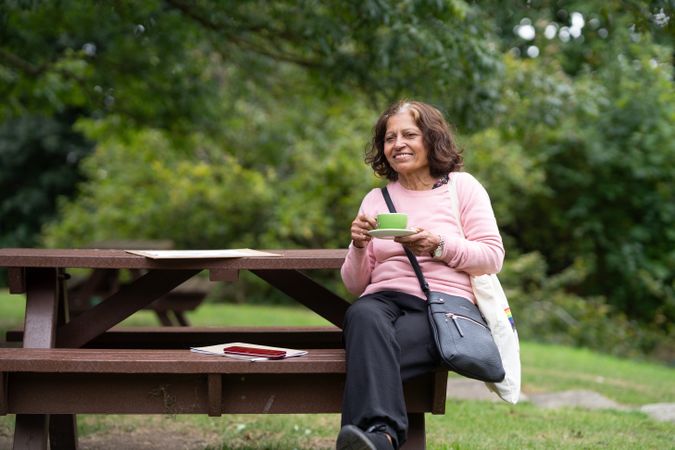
413	260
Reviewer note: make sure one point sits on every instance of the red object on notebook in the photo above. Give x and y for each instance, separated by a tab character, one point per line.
255	352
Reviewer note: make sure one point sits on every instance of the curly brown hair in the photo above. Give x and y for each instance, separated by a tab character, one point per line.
444	154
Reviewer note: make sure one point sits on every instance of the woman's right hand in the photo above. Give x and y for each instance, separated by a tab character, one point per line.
360	227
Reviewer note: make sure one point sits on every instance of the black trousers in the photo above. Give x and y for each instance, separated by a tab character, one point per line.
388	340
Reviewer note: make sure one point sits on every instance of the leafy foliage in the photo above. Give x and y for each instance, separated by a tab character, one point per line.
608	166
50	150
140	188
580	172
152	62
58	55
547	309
179	67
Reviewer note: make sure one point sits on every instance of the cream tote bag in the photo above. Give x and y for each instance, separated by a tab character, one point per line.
495	308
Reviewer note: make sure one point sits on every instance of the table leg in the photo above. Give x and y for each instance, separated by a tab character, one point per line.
62	310
41	308
62	427
63	432
164	318
16	277
42	291
172	318
302	288
30	432
181	319
416	433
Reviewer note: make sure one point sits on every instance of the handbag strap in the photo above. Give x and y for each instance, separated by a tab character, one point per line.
411	256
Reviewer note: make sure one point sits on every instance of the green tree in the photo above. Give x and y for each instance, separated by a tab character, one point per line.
158	63
176	66
588	179
40	159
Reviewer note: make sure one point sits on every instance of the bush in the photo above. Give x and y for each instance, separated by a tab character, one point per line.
546	310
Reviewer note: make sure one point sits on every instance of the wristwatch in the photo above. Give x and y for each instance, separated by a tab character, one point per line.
439	250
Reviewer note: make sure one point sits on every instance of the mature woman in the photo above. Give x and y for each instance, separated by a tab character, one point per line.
387	333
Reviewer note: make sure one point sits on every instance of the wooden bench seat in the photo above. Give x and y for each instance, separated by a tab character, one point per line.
133	381
184	337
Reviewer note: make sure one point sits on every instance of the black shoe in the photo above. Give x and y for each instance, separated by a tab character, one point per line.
353	438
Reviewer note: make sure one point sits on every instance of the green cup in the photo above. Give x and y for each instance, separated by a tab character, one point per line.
392	221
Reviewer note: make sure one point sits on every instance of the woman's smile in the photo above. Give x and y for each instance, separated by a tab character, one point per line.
401	156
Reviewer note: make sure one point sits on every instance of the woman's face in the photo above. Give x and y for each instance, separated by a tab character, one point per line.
404	146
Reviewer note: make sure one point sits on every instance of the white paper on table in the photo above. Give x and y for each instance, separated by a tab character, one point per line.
199	254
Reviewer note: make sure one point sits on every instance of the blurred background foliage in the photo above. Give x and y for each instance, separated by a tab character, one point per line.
223	124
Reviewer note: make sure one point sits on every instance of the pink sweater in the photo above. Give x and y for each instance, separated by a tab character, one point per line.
382	264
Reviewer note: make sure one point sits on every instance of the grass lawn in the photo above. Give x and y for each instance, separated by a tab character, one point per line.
466	424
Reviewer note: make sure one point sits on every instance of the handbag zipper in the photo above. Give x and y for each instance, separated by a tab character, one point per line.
454	318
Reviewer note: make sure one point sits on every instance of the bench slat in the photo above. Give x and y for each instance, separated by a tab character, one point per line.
184	337
160	361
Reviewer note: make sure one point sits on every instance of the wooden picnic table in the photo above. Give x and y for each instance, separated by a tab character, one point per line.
53	372
41	273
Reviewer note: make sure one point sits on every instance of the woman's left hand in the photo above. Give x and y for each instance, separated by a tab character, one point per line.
422	243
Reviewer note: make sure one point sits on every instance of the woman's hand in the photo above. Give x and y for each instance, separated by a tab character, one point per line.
422	243
360	227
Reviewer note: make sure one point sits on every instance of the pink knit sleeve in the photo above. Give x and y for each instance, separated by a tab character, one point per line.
482	250
356	269
358	265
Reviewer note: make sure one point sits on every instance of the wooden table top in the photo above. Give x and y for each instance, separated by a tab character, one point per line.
120	259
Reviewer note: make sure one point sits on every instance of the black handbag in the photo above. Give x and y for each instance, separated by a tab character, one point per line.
462	336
